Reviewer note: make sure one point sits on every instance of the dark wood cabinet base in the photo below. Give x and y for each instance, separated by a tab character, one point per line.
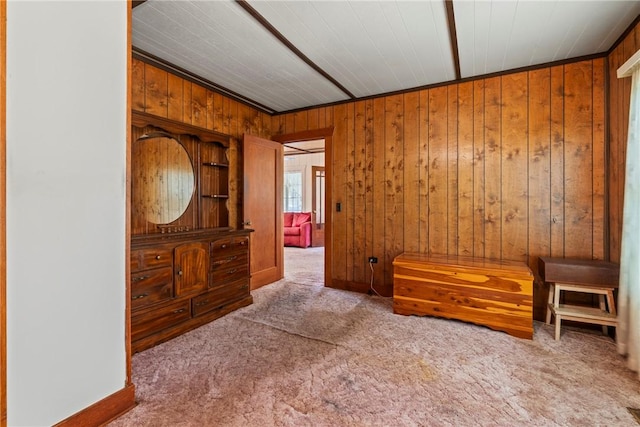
208	278
186	326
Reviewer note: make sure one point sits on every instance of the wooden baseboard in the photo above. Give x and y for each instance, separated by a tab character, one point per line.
104	410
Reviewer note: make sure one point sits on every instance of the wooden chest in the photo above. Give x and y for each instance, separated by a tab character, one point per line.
496	294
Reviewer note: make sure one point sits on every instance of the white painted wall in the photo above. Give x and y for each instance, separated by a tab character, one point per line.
66	130
303	163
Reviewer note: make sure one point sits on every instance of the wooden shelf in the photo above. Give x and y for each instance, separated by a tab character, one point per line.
584	314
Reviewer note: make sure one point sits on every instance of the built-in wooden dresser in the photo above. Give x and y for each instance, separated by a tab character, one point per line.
497	294
180	281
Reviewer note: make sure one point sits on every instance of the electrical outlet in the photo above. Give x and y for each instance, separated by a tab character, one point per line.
373	260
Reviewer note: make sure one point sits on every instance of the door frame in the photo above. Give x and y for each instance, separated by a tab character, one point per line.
314	208
327	135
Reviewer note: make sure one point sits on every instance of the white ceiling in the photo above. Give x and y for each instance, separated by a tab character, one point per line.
366	48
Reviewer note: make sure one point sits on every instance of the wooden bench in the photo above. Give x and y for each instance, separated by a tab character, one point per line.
580	275
496	294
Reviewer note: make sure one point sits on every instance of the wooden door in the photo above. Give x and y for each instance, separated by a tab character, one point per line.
263	175
190	266
318	190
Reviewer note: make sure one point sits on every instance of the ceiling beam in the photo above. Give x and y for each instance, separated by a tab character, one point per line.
277	34
453	37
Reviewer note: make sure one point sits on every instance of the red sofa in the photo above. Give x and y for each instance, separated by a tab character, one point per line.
297	229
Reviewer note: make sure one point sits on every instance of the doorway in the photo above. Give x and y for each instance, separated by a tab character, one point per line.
327	135
303	192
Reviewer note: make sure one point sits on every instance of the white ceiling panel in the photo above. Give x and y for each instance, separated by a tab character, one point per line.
370	47
220	42
337	50
498	35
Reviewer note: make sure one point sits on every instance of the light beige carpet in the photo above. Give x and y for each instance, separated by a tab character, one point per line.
304	355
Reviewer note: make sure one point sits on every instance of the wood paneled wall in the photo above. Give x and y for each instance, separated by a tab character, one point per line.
163	94
619	98
510	167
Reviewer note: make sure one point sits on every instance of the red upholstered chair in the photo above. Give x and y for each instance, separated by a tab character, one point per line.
297	229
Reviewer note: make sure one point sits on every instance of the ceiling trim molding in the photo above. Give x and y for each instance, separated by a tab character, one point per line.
450	82
453	36
277	34
194	78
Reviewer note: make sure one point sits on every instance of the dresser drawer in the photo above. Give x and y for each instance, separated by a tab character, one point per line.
159	318
223	246
141	259
150	286
220	263
220	296
228	275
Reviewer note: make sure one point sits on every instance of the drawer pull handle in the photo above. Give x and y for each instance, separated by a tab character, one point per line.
157	256
244	242
139	296
225	261
182	310
179	272
233	270
205	302
223	246
139	278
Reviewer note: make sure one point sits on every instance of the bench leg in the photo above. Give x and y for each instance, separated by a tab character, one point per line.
611	302
558	322
550	301
603	307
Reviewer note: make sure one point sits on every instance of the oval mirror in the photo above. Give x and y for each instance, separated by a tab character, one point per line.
162	179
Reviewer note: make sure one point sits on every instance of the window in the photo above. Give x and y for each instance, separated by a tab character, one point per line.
292	191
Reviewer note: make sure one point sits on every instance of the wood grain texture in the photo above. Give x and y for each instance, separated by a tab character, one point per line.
175	98
155	91
557	162
438	170
339	194
494	294
521	217
360	267
514	136
478	168
539	163
465	169
618	116
137	85
368	167
349	204
411	180
486	164
453	218
379	201
578	151
493	168
394	183
599	160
